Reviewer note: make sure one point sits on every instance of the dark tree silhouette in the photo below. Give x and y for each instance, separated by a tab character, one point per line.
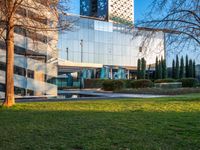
179	18
182	68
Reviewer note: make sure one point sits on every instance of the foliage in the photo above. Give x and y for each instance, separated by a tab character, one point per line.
93	83
194	69
177	68
162	91
164	68
160	69
186	67
188	71
168	80
190	68
121	20
139	69
112	85
173	69
157	69
182	68
179	18
189	82
144	83
30	17
127	83
143	68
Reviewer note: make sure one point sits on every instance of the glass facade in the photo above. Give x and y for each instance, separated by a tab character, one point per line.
94	8
99	42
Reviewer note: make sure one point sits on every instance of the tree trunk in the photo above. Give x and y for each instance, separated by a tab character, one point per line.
9	94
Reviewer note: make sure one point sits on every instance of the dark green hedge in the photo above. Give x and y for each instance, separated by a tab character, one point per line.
93	83
141	83
112	85
189	82
165	80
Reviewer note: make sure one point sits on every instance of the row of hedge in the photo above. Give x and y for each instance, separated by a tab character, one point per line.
186	82
112	85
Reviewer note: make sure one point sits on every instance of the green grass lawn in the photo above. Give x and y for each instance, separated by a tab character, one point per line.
157	124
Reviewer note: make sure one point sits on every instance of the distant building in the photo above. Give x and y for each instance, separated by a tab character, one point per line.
110	10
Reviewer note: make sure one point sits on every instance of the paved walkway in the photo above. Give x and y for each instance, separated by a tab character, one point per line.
97	93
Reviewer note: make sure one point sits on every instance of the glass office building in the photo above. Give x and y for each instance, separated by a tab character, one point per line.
99	45
111	45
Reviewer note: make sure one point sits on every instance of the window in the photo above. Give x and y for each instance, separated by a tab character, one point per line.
30	74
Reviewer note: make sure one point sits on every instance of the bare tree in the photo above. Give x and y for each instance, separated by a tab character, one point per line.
30	17
179	19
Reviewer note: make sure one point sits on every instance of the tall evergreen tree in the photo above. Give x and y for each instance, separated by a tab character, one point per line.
160	70
182	68
190	73
177	67
164	68
139	69
194	69
173	69
143	68
156	68
186	67
148	74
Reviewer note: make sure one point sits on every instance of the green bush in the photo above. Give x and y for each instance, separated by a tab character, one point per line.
112	85
189	82
127	83
164	80
93	83
141	83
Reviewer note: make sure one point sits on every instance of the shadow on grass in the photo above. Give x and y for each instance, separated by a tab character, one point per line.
77	130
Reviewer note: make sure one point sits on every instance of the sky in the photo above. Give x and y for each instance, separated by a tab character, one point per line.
141	6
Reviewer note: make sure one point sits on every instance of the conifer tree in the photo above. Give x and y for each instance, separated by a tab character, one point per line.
160	70
182	68
186	67
190	73
148	74
173	69
177	68
194	69
164	68
139	69
143	68
156	68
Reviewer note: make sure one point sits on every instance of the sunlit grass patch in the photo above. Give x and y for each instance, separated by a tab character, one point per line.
162	123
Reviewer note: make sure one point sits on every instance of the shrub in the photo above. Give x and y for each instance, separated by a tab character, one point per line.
164	80
93	83
141	84
127	83
189	82
112	85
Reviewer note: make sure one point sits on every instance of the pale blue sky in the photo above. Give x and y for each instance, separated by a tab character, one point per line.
141	6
